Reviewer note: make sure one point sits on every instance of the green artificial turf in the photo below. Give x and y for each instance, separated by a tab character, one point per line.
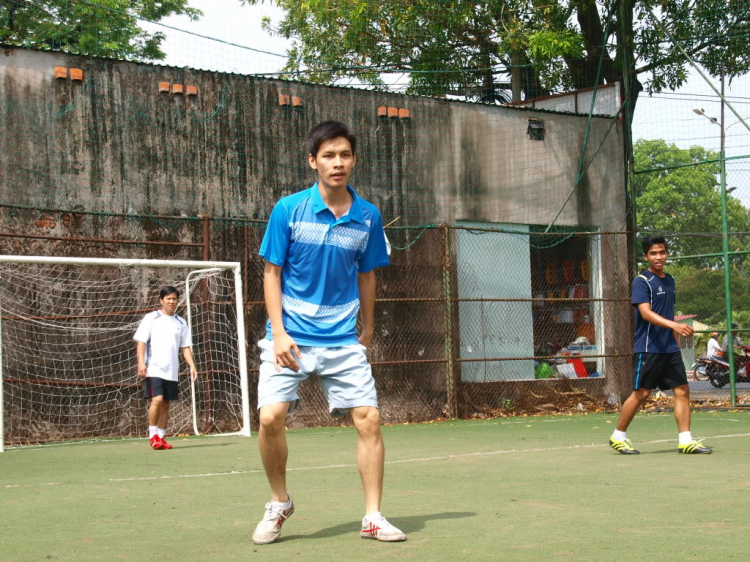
543	488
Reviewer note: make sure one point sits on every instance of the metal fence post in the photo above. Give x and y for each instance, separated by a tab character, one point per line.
450	382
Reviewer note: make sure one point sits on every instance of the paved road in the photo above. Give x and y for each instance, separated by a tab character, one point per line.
702	390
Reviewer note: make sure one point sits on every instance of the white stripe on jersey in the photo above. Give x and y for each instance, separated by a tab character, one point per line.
341	236
319	312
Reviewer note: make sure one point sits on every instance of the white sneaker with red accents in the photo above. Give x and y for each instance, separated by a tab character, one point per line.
377	527
269	529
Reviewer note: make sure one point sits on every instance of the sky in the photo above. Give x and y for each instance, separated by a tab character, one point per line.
236	42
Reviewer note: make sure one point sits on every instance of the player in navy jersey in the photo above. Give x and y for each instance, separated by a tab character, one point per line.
657	361
321	248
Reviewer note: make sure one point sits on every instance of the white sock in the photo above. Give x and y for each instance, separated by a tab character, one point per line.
161	432
285	504
152	429
685	438
618	435
372	516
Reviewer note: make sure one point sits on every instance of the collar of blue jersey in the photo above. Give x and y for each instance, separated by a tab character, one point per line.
355	211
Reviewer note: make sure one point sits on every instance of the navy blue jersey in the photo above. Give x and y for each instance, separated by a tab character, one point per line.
659	292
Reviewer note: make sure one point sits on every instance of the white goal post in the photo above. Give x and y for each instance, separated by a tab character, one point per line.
68	367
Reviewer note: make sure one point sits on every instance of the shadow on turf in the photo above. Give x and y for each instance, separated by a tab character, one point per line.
409	524
196	445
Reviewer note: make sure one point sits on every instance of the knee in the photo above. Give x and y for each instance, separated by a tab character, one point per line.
682	391
272	421
367	422
157	401
639	395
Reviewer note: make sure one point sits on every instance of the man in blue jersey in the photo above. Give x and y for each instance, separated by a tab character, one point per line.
657	360
321	248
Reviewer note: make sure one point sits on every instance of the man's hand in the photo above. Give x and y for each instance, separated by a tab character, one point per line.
142	371
365	339
283	346
683	329
193	374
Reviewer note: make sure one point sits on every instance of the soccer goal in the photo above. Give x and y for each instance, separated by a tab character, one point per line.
68	367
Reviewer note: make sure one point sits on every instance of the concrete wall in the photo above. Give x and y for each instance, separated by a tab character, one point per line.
114	143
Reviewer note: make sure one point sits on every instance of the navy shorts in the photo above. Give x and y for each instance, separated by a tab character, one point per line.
155	386
665	370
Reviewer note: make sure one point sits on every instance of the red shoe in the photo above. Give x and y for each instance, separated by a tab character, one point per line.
164	443
156	443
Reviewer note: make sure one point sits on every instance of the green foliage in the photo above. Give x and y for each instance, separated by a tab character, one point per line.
700	291
463	47
684	200
105	28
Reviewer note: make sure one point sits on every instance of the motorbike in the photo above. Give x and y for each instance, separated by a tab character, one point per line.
717	370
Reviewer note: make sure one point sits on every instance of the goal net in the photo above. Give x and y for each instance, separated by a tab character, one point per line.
68	359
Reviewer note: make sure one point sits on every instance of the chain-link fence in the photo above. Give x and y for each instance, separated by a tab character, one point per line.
470	319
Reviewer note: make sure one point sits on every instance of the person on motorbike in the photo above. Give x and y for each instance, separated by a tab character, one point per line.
713	349
737	341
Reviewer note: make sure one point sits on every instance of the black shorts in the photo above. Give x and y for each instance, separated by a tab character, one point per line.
665	370
155	386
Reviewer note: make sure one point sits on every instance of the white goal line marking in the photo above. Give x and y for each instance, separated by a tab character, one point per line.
419	459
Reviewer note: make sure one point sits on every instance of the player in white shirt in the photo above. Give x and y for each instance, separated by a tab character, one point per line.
160	336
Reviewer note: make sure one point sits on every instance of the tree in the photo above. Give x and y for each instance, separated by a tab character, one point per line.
104	28
700	291
684	200
459	46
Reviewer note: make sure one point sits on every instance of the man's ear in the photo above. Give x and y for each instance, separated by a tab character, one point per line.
312	162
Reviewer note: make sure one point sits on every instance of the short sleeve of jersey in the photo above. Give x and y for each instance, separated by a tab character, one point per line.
376	252
186	340
640	291
276	240
143	333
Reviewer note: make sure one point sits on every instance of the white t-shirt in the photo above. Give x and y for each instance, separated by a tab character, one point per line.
714	349
163	335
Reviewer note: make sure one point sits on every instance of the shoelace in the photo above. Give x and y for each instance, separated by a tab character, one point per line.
379	522
272	512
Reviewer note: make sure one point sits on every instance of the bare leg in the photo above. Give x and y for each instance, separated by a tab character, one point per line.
164	414
370	455
273	448
154	410
630	408
682	407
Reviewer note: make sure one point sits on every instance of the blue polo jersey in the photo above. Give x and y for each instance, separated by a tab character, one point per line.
659	292
320	257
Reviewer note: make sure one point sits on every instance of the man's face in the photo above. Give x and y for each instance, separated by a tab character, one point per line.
334	162
169	303
656	257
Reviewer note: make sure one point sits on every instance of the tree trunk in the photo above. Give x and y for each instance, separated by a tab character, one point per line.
515	76
488	82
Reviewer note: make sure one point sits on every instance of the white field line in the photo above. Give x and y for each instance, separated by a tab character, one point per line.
418	459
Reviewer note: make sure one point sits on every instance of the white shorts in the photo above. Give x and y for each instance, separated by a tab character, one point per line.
344	373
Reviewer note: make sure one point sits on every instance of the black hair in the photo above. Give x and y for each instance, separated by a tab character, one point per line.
653	240
328	131
168	290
